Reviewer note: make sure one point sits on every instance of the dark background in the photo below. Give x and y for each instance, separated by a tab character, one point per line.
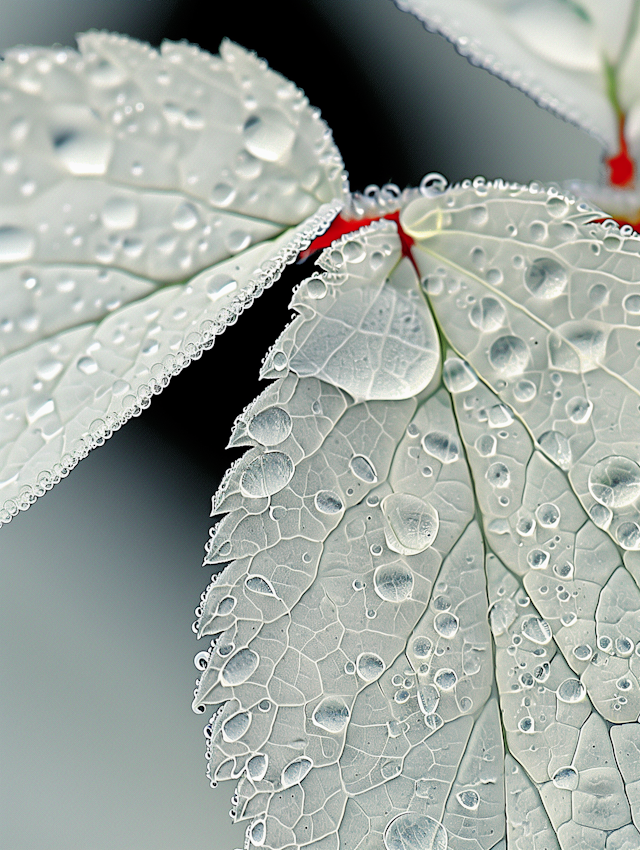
99	748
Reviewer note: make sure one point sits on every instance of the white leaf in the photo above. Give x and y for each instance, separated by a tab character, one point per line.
580	59
146	199
426	635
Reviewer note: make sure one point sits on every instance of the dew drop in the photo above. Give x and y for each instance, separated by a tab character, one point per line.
537	630
615	481
353	251
458	376
498	475
16	244
631	304
185	217
87	365
119	213
628	535
509	355
363	469
446	624
296	771
421	647
488	315
469	800
268	135
369	666
446	679
328	502
83	153
411	524
525	391
601	515
556	446
428	699
571	690
441	446
235	727
545	278
410	831
579	409
222	195
271	426
258	833
548	515
239	668
526	725
566	778
266	475
332	715
259	584
486	445
393	582
221	285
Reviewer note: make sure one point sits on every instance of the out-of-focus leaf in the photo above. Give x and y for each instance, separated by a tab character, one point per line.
146	198
426	635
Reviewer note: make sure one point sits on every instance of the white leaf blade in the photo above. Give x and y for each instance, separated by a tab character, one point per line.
135	225
411	630
555	52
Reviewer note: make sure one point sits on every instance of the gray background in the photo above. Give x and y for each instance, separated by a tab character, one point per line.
100	750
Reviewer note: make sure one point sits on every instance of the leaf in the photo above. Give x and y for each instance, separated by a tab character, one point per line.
147	198
578	58
426	635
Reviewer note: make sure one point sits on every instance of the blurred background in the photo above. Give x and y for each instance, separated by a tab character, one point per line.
99	748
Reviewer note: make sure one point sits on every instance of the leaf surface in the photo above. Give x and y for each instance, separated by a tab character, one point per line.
426	634
147	198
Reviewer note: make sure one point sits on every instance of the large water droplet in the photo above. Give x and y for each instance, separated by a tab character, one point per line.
458	376
239	668
441	446
410	831
615	481
579	409
393	582
571	690
446	624
486	445
428	699
185	216
332	715
221	285
556	446
545	278
119	213
268	135
87	365
258	833
235	727
411	525
328	502
509	355
468	800
296	771
259	584
257	767
266	475
498	475
446	679
369	666
271	426
537	630
487	316
83	153
16	244
363	469
566	778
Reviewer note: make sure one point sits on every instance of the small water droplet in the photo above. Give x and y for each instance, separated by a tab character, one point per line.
443	447
615	481
566	778
545	278
185	217
537	630
239	668
571	690
486	445
270	426
82	152
446	624
525	391
369	666
296	771
328	502
526	725
363	469
119	213
509	356
393	582
446	679
468	800
235	727
458	376
332	715
556	446
411	524
87	365
259	584
548	515
628	535
579	409
16	244
268	135
421	647
488	315
498	475
222	195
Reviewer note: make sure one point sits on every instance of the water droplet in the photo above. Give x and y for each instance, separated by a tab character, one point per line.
631	303
615	481
411	525
221	285
421	647
48	369
525	391
87	365
369	666
458	376
601	515
446	624
556	446
548	515
509	355
226	606
446	679
363	469
488	315
441	446
259	584
526	725
538	559
579	409
257	767
239	668
624	647
332	715
566	778
82	152
486	445
271	426
119	213
16	244
428	699
468	800
545	278
628	535
237	240
235	727
328	502
222	195
268	135
185	217
410	831
498	475
266	474
353	251
201	660
537	630
296	771
258	833
571	690
393	582
280	361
